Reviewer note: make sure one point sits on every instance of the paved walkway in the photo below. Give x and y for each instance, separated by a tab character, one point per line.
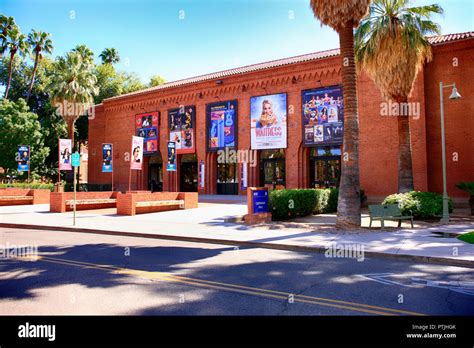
209	223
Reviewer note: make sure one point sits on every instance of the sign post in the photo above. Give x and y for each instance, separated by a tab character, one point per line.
257	204
76	162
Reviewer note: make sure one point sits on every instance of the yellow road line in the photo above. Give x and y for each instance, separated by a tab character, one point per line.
164	276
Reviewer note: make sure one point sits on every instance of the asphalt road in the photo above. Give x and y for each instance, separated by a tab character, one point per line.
95	274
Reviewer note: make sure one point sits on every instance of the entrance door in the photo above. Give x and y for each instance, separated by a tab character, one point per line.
227	183
155	179
325	172
273	173
188	178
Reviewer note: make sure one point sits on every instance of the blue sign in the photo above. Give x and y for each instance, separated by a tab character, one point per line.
260	201
171	165
24	158
107	160
76	159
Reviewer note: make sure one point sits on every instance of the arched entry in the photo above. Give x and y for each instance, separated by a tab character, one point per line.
155	173
272	168
325	166
188	173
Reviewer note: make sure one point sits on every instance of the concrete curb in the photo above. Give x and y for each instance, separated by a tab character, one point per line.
276	246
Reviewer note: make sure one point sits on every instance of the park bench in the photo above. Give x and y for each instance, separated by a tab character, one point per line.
132	203
387	212
64	201
15	196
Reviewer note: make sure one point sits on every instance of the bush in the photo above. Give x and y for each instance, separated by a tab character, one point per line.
422	205
69	187
467	187
29	185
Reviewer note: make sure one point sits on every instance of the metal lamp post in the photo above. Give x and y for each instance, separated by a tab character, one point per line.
454	95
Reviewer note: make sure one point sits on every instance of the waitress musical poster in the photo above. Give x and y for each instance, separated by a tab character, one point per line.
221	125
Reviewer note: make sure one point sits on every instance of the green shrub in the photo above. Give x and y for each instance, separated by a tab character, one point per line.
69	187
32	185
467	187
422	205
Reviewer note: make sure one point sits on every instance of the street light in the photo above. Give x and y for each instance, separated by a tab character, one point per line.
454	95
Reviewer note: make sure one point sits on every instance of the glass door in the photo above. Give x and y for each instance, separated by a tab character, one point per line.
325	172
227	183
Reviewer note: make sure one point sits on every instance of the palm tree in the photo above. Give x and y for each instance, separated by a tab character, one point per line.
16	44
73	86
110	56
85	52
6	25
391	47
40	42
343	16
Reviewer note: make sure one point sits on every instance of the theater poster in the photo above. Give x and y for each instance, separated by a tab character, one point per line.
171	164
146	126
137	153
24	158
65	151
107	158
221	125
323	116
181	126
268	116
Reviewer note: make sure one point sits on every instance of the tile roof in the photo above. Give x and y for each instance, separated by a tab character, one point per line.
434	40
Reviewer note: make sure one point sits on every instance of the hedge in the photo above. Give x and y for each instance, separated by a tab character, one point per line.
29	185
422	205
69	187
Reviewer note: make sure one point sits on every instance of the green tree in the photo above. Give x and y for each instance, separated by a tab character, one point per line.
110	56
85	52
391	47
73	87
132	83
19	126
16	44
343	17
40	43
156	80
6	25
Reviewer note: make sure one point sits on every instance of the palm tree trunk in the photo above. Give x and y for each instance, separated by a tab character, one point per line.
348	205
405	169
10	72
70	130
32	77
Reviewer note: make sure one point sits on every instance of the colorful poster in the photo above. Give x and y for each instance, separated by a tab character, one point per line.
65	150
107	158
137	153
268	122
221	125
171	165
323	116
181	125
147	128
23	158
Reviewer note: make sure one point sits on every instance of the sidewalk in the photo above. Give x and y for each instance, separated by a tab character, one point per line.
209	223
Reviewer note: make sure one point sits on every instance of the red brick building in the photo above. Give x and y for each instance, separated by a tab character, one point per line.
296	165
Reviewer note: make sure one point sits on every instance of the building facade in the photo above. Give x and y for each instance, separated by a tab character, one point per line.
229	110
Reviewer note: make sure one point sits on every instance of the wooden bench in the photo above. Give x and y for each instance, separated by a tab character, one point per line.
64	201
17	196
387	212
132	203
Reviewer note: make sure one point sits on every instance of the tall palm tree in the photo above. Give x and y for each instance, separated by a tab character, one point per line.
16	44
391	47
110	56
343	16
40	43
73	86
85	52
6	25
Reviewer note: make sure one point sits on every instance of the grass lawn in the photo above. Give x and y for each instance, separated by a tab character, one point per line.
467	237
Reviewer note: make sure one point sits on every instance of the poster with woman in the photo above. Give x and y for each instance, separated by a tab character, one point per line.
107	158
65	151
137	153
147	127
23	158
268	115
181	126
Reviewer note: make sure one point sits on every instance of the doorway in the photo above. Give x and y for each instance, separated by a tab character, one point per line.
227	183
272	169
155	173
325	167
188	173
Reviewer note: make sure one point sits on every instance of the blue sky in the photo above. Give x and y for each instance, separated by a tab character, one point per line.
184	38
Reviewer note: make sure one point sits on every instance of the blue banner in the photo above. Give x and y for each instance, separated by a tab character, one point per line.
171	165
107	158
24	158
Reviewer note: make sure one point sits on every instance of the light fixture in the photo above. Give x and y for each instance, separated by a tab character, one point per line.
455	94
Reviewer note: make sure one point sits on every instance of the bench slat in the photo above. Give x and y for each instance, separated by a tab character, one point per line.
159	203
16	198
91	201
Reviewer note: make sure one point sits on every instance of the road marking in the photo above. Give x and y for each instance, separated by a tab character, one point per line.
169	277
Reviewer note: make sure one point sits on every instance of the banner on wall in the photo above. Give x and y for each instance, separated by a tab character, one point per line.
268	116
243	176
201	174
323	116
146	126
24	158
171	165
221	125
137	153
181	127
65	151
107	158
